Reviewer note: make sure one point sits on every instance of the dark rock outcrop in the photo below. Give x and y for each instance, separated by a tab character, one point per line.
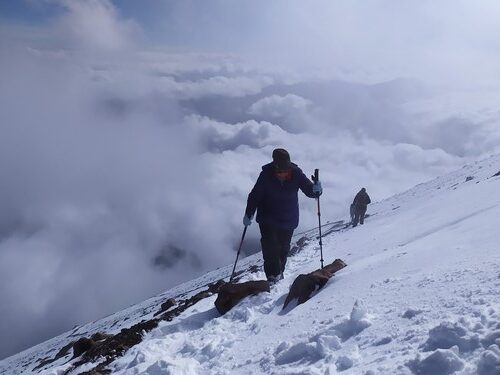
106	347
47	361
305	284
230	294
165	306
82	345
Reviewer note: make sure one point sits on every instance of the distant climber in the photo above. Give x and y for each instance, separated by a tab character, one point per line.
275	198
359	205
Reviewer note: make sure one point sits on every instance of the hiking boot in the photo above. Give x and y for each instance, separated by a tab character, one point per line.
274	279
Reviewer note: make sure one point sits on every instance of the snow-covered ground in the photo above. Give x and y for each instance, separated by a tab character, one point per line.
420	295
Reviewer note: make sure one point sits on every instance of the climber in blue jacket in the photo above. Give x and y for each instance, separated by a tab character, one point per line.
275	197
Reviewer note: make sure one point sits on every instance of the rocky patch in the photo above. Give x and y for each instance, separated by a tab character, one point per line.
305	284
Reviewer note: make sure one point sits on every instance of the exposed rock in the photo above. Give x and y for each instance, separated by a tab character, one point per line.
254	269
99	370
168	304
115	346
410	313
165	306
305	284
299	245
99	336
214	287
106	347
63	352
230	294
82	345
301	242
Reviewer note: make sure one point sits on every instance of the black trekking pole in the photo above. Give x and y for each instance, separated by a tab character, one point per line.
238	254
315	178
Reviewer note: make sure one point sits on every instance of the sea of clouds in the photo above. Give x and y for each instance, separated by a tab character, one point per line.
125	168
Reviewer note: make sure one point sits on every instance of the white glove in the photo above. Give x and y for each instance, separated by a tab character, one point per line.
247	220
317	189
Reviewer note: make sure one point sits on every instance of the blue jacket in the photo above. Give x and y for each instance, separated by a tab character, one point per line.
277	202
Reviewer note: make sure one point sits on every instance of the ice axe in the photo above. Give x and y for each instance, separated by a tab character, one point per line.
315	179
238	253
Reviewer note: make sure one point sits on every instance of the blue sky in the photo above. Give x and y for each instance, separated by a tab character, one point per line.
169	23
27	12
39	12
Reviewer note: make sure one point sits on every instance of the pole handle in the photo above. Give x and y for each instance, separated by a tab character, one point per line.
315	177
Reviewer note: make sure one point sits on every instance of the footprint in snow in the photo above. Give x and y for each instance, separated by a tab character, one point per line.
357	322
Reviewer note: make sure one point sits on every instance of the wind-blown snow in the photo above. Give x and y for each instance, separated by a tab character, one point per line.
420	295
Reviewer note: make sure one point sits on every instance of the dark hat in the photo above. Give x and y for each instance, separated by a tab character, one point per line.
281	158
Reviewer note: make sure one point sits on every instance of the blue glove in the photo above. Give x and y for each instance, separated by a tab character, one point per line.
247	220
317	189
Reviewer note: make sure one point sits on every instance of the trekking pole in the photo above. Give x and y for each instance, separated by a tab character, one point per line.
315	178
238	254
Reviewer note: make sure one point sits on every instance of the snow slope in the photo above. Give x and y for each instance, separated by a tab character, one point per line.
420	295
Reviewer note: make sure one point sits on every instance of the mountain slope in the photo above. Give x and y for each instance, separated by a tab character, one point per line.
420	295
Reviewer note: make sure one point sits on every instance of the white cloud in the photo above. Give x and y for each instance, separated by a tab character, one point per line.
451	41
292	112
218	85
279	106
91	193
95	25
218	137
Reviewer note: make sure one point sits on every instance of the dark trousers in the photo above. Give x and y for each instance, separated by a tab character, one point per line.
359	215
275	244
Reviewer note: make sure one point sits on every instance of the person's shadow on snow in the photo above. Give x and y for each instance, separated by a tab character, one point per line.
192	322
